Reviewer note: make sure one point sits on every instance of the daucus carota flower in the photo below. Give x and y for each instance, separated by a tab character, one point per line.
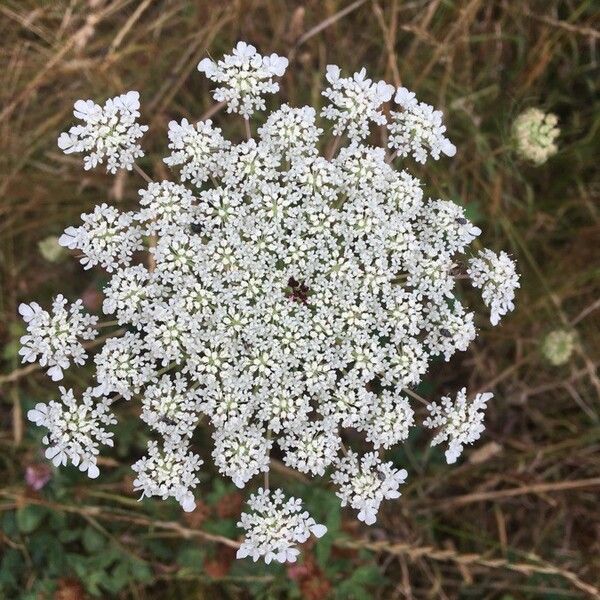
498	279
75	430
165	208
171	406
558	346
107	238
354	102
291	132
110	132
53	339
197	149
459	422
168	472
244	77
535	133
288	302
365	483
275	526
241	452
418	129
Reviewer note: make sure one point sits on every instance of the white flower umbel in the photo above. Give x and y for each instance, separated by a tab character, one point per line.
110	132
355	102
130	294
535	133
459	422
275	527
418	130
366	483
288	301
241	452
198	149
53	338
171	407
245	77
558	346
123	366
388	421
165	208
313	447
75	431
498	279
107	238
291	133
168	472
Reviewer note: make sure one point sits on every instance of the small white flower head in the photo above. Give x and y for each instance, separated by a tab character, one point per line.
313	447
388	421
460	422
275	526
245	77
53	338
129	294
107	238
165	208
122	367
418	129
409	363
291	133
241	452
171	407
365	484
355	102
449	328
498	279
75	430
444	228
558	346
535	133
198	149
110	132
169	472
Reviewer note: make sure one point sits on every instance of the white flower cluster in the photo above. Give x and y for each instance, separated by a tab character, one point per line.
558	346
110	132
275	526
170	472
75	430
366	483
418	129
459	422
535	133
107	238
285	299
355	102
53	339
198	148
245	76
497	277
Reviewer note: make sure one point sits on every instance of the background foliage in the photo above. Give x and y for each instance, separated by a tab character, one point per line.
518	517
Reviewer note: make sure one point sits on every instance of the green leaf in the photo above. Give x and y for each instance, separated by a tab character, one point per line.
10	566
141	571
92	540
69	535
191	558
8	522
29	517
354	587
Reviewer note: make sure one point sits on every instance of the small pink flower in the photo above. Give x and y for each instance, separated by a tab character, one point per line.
37	476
